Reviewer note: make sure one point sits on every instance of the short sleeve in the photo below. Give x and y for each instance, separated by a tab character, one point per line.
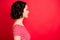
17	30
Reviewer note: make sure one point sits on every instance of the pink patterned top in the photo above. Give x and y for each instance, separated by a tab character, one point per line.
21	31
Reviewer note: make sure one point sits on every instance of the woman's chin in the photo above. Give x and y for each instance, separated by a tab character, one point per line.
26	17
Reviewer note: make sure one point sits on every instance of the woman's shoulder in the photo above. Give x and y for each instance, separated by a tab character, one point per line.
17	29
17	26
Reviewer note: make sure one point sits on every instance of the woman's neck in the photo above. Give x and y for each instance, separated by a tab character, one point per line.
19	21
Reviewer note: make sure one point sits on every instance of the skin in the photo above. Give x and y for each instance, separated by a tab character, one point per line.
26	12
20	20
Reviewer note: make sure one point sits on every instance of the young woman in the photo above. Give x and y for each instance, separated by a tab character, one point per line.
19	11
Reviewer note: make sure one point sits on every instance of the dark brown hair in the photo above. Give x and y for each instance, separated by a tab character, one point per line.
17	9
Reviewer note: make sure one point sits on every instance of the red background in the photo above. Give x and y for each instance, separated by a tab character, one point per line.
43	22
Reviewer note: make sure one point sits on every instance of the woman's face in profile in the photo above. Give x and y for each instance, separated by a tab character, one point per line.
26	12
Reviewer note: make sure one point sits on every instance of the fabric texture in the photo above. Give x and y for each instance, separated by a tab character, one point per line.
19	30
